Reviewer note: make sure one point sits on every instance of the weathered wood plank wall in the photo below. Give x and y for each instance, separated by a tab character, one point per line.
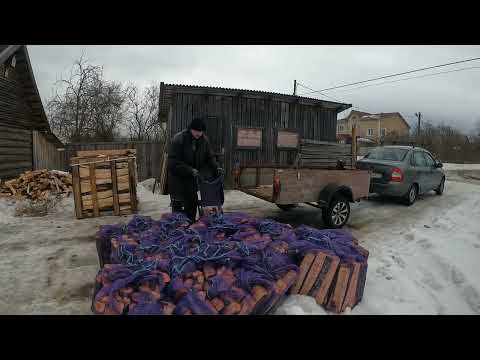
225	113
45	154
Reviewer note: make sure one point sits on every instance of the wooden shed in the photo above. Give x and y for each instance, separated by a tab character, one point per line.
26	140
227	110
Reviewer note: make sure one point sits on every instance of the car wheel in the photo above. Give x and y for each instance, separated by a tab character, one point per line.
286	207
337	213
441	187
411	195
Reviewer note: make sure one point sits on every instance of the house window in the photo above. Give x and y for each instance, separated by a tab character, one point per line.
340	128
369	132
384	132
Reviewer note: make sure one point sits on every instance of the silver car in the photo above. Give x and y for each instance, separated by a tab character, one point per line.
403	171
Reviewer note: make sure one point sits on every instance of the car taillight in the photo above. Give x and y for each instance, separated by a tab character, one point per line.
397	175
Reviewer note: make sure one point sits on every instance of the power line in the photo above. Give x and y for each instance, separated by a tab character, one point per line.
393	75
328	96
331	97
413	77
353	106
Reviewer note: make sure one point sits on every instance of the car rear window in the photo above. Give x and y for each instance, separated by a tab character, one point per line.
390	154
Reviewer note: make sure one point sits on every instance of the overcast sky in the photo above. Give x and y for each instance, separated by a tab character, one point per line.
452	98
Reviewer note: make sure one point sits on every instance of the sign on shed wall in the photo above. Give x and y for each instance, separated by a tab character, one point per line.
249	138
287	139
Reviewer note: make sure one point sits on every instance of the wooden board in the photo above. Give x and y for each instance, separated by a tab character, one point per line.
339	288
304	269
312	275
163	171
77	192
93	190
321	287
101	173
132	185
106	202
113	174
100	195
99	159
305	185
355	286
92	153
86	187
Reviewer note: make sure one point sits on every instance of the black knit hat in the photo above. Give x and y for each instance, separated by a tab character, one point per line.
198	124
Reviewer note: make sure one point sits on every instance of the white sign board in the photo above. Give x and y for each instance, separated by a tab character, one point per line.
287	139
249	138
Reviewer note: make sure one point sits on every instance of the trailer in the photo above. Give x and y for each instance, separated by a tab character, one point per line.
324	175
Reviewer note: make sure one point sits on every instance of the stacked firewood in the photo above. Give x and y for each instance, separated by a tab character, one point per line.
335	284
37	185
188	294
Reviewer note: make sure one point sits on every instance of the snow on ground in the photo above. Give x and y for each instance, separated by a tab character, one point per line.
423	259
427	261
451	166
300	305
7	210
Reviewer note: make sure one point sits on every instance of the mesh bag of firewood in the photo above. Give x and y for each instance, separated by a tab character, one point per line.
228	264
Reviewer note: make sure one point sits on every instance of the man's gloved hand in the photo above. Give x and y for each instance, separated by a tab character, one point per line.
195	173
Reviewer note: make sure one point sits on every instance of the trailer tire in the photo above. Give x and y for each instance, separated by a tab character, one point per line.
287	207
337	213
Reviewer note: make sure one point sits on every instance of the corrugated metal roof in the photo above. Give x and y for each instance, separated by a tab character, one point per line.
170	89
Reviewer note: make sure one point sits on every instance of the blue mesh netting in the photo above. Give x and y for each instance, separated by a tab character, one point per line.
152	261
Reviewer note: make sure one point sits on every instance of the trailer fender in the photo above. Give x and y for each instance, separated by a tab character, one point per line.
330	190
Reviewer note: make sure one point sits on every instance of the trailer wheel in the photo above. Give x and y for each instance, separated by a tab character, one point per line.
286	207
337	213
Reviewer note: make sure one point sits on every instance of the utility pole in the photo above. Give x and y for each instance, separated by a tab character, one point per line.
294	87
419	116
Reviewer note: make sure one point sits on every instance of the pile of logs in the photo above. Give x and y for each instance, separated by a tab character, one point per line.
234	302
334	284
37	185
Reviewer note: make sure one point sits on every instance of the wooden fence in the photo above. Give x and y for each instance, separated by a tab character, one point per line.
149	155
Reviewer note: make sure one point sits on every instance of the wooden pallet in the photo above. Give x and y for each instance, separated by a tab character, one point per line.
104	183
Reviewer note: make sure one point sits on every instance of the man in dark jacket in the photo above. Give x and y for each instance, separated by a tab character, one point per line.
189	156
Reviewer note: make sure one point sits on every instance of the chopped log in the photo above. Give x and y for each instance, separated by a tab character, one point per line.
232	309
304	268
217	303
356	285
312	275
340	287
325	278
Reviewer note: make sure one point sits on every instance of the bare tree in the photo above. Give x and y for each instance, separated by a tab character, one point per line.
446	142
85	105
142	113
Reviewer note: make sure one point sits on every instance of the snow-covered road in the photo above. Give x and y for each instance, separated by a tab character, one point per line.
424	259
